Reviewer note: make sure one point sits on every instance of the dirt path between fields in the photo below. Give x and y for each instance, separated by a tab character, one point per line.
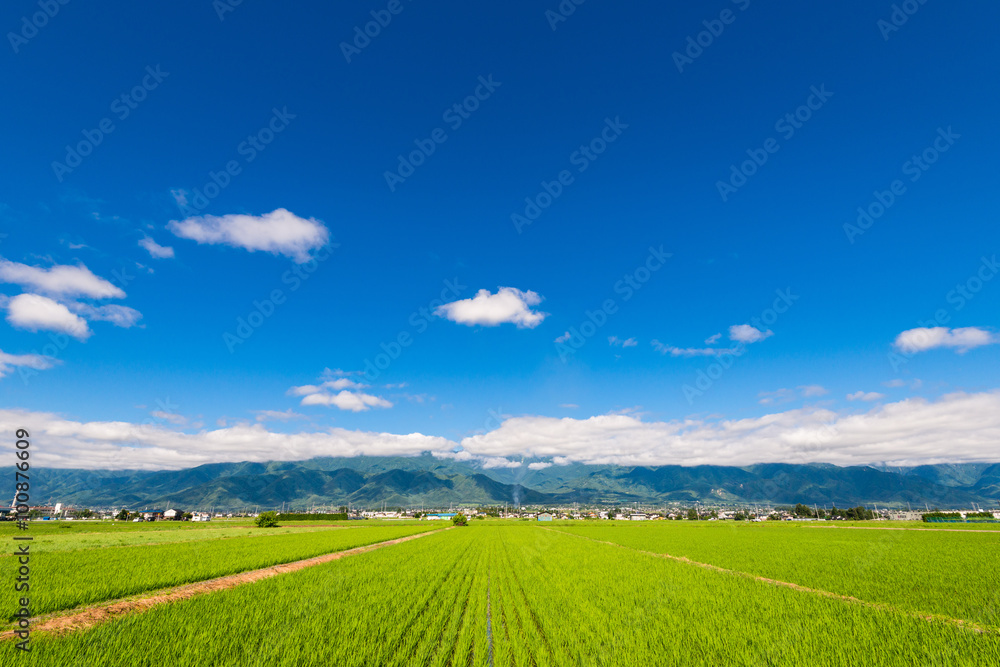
948	620
62	622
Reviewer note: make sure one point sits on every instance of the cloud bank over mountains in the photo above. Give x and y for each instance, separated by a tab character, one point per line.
958	427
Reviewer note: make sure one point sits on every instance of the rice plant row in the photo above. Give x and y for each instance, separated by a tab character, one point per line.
951	574
554	599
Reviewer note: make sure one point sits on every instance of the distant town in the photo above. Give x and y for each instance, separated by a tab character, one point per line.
799	512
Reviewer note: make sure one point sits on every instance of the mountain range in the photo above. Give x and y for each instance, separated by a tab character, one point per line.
433	482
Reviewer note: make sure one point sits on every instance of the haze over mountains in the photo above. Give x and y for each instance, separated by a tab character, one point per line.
430	481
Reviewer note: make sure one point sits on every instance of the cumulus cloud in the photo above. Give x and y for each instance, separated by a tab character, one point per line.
509	304
955	428
119	445
744	333
865	396
927	338
59	280
279	232
155	249
336	385
39	313
36	362
346	400
339	391
615	341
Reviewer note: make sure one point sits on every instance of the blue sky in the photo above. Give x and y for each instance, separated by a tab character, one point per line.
643	125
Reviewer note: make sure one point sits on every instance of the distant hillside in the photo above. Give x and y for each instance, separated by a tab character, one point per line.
428	481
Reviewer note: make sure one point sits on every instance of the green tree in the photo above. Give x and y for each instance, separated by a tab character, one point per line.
802	510
692	514
266	520
459	519
122	515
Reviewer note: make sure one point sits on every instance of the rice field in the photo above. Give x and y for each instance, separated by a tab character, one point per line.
518	593
63	579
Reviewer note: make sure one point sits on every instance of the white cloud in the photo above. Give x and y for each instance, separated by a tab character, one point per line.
928	338
782	395
663	348
615	341
509	304
562	339
346	400
59	280
37	362
955	428
569	406
744	333
865	396
347	396
172	417
895	383
279	232
155	249
39	313
120	316
812	390
278	415
539	465
336	385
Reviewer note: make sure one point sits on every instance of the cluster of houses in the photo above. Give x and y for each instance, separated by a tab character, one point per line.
758	514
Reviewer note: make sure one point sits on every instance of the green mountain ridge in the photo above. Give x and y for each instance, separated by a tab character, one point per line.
430	481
